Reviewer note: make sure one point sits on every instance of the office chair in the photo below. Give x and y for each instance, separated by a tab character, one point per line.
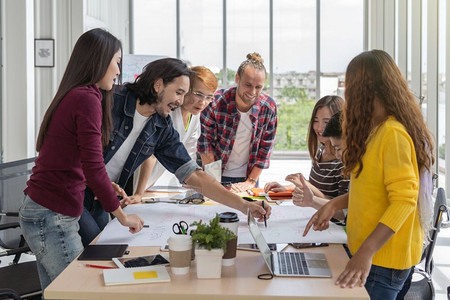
17	279
9	294
423	288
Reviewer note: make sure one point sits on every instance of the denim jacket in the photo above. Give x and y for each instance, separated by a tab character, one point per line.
158	137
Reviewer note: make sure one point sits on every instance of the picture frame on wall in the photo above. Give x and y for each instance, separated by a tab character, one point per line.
44	53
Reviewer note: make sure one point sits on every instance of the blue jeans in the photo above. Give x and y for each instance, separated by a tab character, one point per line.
385	284
236	180
233	179
93	219
52	237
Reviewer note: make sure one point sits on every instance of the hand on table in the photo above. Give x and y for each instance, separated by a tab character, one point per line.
133	222
133	199
274	187
242	186
258	211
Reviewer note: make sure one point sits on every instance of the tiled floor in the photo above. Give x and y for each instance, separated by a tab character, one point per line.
279	168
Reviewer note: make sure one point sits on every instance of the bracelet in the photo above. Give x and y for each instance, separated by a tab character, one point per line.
252	180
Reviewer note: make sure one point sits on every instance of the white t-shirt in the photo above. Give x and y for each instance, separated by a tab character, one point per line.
160	176
115	165
238	160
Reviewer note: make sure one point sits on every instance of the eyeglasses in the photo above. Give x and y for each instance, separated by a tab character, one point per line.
195	198
200	96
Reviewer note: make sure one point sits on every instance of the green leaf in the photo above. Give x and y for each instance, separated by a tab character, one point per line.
212	235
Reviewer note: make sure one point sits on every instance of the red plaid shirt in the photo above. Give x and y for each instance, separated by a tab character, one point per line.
220	120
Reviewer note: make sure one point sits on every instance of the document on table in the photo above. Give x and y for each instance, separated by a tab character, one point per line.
286	224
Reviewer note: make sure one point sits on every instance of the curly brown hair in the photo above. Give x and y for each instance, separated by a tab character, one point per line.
374	74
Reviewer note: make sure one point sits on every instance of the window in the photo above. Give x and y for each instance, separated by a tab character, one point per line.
294	55
155	27
341	39
201	33
201	41
247	32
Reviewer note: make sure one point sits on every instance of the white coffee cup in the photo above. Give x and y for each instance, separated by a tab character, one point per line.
230	220
180	248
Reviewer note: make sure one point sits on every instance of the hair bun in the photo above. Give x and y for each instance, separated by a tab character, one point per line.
256	57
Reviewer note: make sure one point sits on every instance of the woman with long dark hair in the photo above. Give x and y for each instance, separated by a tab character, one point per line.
73	133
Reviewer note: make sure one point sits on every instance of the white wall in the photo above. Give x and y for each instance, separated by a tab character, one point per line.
27	90
18	79
112	15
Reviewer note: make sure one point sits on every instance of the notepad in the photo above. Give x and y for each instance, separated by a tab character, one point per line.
138	275
103	252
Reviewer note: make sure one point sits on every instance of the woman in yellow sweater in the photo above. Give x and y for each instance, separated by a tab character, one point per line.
387	145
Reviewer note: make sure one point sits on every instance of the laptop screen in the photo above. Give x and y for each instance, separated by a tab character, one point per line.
259	240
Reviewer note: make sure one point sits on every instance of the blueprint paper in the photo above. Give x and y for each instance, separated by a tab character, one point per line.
285	225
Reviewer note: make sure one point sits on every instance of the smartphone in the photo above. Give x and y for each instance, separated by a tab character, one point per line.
142	261
307	245
254	247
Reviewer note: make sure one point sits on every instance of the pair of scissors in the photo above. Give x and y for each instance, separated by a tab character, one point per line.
180	227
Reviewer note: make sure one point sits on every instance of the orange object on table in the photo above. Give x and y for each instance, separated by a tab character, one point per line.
259	192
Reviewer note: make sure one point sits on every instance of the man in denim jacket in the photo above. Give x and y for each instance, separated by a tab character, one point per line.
142	127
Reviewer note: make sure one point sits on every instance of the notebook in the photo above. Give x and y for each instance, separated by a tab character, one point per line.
138	275
292	264
103	252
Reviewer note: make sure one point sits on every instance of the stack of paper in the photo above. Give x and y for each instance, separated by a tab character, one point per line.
136	275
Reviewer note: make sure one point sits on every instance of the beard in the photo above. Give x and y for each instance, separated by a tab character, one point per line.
244	98
160	107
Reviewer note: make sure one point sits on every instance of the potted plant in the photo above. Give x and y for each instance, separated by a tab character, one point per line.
210	242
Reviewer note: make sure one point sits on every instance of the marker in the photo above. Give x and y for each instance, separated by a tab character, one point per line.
265	221
99	267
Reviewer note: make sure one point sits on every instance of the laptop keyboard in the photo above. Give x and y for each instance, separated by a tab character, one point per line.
292	263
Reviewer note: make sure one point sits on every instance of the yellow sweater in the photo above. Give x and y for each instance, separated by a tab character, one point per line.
386	192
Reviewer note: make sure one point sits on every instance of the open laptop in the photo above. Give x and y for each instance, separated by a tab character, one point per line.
292	264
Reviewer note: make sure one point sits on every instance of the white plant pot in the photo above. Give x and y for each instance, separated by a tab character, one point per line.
209	263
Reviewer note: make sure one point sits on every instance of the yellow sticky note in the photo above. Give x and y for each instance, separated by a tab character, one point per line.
145	275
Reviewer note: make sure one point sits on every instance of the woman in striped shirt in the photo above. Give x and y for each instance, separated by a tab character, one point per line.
325	179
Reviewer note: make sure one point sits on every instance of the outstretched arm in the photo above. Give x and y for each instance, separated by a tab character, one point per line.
211	188
321	219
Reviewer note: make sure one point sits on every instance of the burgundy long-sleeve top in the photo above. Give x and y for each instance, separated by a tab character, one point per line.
71	156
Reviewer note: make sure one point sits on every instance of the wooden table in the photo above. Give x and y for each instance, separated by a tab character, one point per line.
237	282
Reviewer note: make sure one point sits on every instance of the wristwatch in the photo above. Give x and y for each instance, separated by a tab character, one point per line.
252	180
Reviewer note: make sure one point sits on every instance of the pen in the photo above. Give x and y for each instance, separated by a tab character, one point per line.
99	267
250	192
265	221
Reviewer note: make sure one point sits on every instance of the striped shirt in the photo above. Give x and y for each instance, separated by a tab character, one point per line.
326	176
